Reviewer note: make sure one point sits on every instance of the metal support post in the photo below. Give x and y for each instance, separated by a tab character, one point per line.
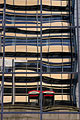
13	82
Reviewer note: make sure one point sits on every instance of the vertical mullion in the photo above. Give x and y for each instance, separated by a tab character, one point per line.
26	49
62	52
78	52
3	65
40	59
13	82
37	43
70	23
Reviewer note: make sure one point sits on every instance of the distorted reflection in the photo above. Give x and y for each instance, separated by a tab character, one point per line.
36	56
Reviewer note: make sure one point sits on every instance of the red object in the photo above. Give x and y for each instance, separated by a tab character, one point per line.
48	95
33	95
37	92
34	91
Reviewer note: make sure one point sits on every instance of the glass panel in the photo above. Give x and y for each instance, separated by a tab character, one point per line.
21	64
22	44
7	88
0	90
21	91
58	44
1	34
61	116
22	53
21	117
60	92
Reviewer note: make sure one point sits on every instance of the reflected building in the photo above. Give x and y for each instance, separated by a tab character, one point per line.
38	52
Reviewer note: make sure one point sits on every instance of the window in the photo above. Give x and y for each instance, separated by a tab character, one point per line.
39	59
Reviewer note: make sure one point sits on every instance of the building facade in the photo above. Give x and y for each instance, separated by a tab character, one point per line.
39	52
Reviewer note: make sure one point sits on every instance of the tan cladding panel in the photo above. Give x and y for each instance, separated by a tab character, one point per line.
16	11
43	59
36	49
24	71
22	75
57	76
27	58
17	25
27	75
55	24
7	99
26	2
56	60
25	98
21	58
17	99
52	85
35	83
1	1
44	12
62	97
54	3
22	2
35	2
21	99
20	35
57	48
22	49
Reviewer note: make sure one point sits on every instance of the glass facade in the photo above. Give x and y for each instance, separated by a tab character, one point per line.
39	58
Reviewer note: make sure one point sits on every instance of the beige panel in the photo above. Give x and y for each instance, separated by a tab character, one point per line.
21	48
20	84
1	9
57	76
59	97
25	12
59	3
1	1
9	2
24	71
8	83
11	58
25	98
27	49
53	12
7	74
56	24
55	34
32	2
21	58
52	85
10	34
9	48
57	48
34	83
27	58
33	49
7	99
21	99
7	10
46	2
56	60
28	75
20	2
66	76
66	97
